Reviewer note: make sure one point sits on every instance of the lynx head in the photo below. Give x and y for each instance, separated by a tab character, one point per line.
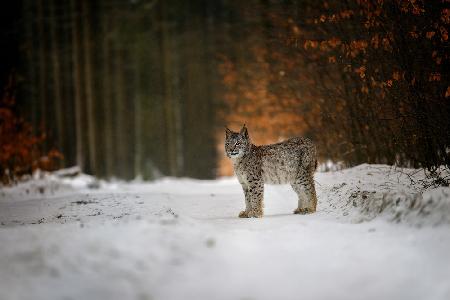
237	144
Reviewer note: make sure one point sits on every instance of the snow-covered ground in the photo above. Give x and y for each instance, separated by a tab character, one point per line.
375	236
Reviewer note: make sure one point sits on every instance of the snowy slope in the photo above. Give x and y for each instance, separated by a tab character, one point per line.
375	236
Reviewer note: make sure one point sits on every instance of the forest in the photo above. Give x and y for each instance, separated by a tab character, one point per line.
144	88
131	165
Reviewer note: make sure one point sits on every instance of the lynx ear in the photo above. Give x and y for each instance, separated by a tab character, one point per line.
227	131
244	131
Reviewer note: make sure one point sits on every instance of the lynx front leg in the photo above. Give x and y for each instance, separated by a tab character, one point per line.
256	199
244	213
307	200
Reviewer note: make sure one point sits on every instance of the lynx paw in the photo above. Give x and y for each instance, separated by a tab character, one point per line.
255	214
304	211
243	214
250	214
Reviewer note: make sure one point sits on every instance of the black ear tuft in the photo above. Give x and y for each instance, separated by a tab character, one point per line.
244	131
227	131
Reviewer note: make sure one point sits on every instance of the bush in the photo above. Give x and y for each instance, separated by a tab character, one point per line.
21	151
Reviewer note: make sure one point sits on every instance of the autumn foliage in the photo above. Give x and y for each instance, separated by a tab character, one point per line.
20	149
365	79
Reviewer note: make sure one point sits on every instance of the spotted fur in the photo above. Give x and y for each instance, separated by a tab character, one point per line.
290	162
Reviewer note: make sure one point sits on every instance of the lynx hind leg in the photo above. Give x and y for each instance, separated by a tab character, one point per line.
307	200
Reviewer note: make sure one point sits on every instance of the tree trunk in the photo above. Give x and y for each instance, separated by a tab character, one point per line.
31	64
42	66
57	94
77	86
119	97
137	114
171	94
86	16
108	133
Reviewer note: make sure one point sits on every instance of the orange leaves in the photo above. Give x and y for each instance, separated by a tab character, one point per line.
414	34
360	45
356	47
336	17
434	76
334	42
445	16
375	41
417	10
386	44
361	71
396	76
324	46
346	14
415	7
50	161
389	83
447	92
430	34
310	44
436	57
444	33
19	147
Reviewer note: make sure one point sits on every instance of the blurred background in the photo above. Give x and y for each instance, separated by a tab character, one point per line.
144	88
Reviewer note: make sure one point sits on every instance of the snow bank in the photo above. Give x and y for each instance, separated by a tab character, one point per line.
65	237
44	184
355	195
367	191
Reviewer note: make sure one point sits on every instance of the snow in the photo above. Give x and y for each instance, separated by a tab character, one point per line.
376	235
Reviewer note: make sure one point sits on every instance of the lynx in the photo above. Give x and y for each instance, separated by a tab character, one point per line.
292	161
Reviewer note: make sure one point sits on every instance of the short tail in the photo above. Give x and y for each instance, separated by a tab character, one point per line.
315	165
